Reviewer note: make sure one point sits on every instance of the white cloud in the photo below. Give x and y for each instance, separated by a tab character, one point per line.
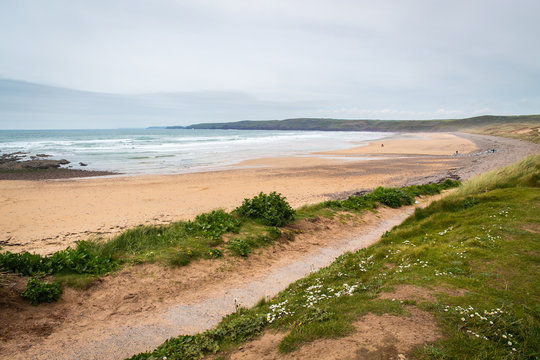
414	57
389	114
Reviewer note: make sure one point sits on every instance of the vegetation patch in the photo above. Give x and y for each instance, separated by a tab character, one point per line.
40	292
271	209
392	197
233	329
472	242
83	259
257	221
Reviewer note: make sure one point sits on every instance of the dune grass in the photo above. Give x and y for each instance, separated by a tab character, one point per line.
525	173
526	130
477	251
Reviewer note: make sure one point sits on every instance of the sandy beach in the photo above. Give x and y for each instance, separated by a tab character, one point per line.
45	216
129	311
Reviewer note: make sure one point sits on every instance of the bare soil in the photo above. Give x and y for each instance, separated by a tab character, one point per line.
382	337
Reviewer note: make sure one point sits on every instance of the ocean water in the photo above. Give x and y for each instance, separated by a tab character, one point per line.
169	151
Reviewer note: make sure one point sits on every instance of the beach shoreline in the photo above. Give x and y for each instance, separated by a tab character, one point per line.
46	216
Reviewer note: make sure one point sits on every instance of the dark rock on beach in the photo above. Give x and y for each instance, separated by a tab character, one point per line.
21	166
17	161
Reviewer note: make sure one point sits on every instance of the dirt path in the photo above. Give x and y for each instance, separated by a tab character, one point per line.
138	308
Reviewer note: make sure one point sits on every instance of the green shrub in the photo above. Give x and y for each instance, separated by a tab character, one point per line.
448	184
392	197
80	260
239	326
214	253
272	209
358	203
214	224
470	202
39	292
240	247
22	263
274	232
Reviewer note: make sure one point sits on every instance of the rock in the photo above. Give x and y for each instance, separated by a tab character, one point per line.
83	164
18	161
361	192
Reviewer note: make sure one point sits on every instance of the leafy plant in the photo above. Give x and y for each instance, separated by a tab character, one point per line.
39	292
240	247
272	209
22	263
214	224
392	197
81	260
214	253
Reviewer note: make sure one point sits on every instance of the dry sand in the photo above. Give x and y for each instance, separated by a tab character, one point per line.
45	216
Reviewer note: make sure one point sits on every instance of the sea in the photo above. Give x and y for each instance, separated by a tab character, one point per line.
173	151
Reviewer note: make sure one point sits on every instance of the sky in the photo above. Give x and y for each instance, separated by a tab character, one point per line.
135	63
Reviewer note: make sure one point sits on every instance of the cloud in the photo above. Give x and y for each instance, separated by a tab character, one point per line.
413	57
390	114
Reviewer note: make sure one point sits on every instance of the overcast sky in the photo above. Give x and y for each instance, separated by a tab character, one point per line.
250	59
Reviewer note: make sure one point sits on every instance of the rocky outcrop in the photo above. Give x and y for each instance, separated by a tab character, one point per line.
19	161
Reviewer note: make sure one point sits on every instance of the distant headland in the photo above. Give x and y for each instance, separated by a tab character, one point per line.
325	124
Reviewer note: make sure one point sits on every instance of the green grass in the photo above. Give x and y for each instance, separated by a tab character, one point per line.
486	121
526	130
482	240
523	174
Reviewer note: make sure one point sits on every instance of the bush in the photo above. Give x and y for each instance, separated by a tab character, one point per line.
39	292
358	203
214	253
274	232
240	247
272	209
81	260
22	263
392	197
214	224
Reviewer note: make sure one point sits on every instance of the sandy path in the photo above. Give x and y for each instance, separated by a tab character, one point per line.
198	310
